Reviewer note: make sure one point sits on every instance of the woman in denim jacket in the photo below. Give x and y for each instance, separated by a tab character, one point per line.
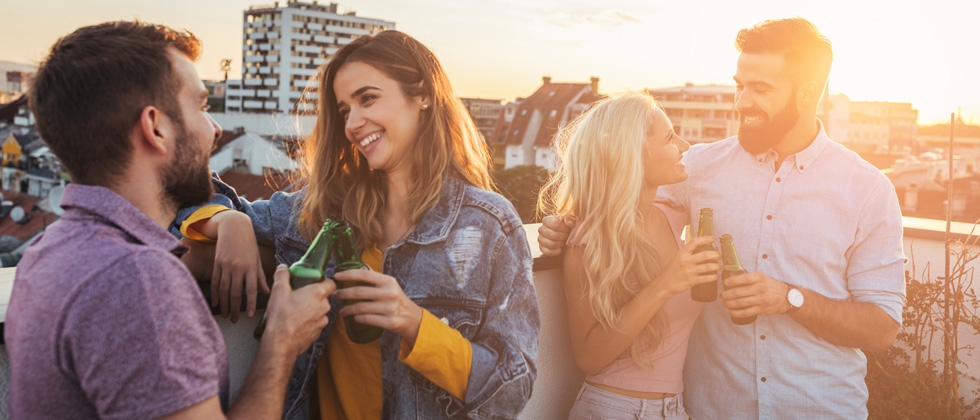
395	154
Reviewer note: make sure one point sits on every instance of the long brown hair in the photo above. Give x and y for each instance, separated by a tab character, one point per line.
342	184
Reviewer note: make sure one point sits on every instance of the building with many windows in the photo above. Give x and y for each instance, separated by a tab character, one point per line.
282	46
700	113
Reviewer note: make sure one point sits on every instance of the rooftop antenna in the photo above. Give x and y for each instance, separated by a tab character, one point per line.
226	67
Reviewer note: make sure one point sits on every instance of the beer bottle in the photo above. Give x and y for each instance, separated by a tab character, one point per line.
732	267
347	259
705	292
309	269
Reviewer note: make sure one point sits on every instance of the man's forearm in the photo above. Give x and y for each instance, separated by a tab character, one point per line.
264	392
846	323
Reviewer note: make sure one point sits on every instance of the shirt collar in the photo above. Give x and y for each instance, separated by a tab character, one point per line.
802	159
118	211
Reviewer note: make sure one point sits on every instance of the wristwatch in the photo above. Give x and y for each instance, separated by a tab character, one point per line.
795	298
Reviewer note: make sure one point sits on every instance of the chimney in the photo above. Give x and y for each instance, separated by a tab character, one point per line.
595	84
546	80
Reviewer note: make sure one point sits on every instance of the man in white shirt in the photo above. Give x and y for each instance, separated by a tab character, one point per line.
818	229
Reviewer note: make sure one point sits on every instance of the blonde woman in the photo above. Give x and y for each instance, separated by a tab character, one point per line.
627	272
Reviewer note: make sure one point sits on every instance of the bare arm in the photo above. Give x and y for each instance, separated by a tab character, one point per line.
595	346
236	263
295	319
862	325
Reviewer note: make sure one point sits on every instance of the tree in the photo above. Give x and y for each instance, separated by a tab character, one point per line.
520	185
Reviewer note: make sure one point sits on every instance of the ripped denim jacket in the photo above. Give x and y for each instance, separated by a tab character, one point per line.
467	261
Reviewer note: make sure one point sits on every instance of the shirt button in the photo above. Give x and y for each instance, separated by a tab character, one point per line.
801	167
778	179
765	256
768	217
762	337
763	379
760	160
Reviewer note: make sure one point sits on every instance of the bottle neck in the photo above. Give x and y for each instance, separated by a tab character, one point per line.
319	251
729	256
706	225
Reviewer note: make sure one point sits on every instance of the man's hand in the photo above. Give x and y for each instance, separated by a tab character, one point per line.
296	317
237	265
754	294
552	235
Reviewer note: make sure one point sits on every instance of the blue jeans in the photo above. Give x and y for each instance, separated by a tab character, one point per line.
595	404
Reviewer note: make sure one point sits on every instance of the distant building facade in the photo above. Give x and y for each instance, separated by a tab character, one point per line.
700	113
283	46
527	129
870	126
484	113
14	79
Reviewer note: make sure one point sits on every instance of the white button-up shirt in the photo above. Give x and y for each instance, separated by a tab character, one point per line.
826	221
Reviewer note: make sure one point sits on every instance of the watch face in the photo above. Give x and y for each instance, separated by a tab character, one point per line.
795	297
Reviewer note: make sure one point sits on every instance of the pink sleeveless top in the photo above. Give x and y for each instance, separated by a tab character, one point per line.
667	361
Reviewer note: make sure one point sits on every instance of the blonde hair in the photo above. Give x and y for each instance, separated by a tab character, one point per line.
599	181
343	185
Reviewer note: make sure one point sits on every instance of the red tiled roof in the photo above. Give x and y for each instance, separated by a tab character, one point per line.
37	221
256	187
227	137
549	97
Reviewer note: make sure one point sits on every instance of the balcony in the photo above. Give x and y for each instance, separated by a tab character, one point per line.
558	378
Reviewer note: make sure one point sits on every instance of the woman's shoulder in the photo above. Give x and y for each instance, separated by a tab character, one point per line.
480	203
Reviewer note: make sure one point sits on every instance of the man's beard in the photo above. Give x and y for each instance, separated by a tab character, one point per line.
760	139
186	180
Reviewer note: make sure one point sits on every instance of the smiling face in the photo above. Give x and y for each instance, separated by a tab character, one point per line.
380	119
662	152
765	98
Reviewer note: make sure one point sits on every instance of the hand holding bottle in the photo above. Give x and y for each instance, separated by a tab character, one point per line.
381	303
689	267
296	317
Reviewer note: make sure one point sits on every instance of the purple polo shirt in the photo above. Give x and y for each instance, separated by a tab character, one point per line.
106	322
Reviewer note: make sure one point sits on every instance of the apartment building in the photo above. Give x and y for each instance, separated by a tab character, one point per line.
283	45
700	113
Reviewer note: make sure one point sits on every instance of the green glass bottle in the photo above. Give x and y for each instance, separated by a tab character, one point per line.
732	267
345	253
309	269
705	292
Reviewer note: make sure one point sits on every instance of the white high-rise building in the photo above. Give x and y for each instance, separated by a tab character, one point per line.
282	46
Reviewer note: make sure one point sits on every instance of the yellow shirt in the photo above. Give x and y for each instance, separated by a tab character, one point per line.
188	229
440	354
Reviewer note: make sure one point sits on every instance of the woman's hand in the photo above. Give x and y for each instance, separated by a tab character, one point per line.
385	304
689	268
237	265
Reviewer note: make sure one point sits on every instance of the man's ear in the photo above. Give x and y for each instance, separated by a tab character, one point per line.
154	129
809	92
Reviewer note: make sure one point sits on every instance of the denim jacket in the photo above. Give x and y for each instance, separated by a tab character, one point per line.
468	263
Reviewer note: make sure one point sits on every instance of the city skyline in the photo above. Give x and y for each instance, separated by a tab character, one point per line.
908	51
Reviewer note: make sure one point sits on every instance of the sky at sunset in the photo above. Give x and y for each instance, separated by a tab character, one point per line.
923	52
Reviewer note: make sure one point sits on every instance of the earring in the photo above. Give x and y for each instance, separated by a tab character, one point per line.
425	106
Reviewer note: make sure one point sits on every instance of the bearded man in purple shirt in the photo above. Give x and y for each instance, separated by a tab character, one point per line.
105	321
